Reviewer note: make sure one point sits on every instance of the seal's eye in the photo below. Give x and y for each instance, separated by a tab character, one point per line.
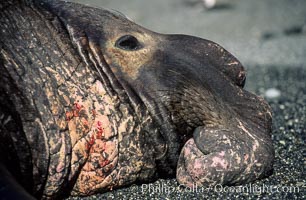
128	42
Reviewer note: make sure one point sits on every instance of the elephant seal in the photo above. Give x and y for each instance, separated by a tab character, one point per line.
91	101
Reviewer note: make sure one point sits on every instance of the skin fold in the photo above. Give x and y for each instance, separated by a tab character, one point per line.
91	101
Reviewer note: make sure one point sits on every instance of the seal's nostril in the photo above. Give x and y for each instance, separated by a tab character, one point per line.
128	42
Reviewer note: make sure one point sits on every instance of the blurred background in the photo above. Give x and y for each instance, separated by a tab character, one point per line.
264	32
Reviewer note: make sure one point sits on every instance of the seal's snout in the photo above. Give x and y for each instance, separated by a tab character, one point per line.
232	144
204	54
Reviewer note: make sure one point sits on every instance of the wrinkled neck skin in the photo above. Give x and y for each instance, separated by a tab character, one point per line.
82	126
95	118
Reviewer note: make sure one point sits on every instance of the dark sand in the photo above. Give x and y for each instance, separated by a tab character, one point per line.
269	38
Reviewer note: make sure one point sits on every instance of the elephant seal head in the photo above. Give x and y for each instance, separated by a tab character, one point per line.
166	104
211	130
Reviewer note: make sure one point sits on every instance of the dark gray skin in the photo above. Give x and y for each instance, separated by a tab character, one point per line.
91	101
